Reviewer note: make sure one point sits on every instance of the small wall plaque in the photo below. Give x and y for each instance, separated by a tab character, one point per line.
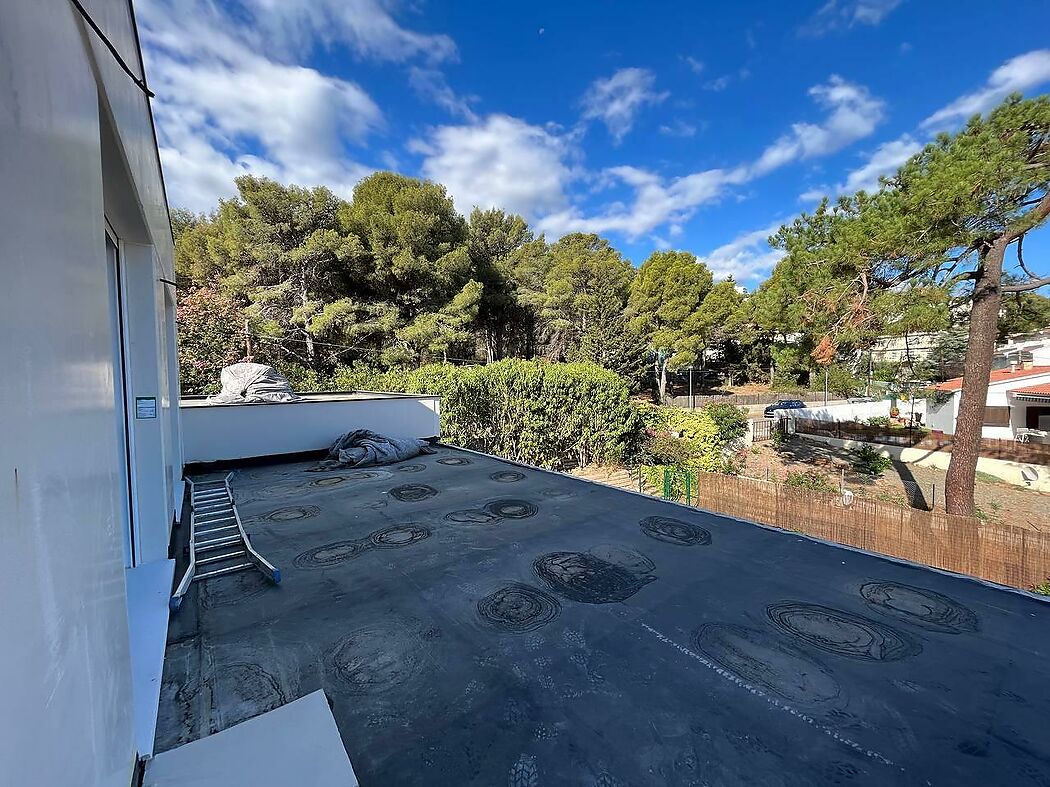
145	407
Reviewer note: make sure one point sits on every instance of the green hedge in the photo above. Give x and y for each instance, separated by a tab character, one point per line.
546	414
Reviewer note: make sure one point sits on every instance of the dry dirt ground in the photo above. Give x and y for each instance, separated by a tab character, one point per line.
997	501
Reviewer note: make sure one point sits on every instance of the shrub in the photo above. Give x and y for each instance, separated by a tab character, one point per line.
545	414
209	338
879	420
810	481
867	460
730	421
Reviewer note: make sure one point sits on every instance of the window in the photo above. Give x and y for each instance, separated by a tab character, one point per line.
996	416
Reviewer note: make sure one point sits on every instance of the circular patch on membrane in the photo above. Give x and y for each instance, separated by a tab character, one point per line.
760	658
398	536
475	516
454	460
413	493
511	509
920	607
411	468
842	633
517	608
631	559
331	480
507	476
329	554
674	531
582	577
291	513
377	658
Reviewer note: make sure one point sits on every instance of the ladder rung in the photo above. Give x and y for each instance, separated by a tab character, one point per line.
218	558
214	506
220	571
209	497
217	543
215	520
214	530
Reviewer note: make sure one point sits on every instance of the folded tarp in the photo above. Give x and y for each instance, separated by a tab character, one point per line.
246	383
365	448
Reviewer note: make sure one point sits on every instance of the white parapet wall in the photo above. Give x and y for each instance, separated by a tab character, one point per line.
216	432
1030	476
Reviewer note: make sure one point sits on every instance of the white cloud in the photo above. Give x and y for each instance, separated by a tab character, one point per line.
228	103
854	114
696	66
366	26
719	84
432	85
678	128
616	101
656	202
1018	74
501	162
845	14
748	257
885	160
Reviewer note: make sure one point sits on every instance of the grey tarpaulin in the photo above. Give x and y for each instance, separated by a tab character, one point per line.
244	383
364	448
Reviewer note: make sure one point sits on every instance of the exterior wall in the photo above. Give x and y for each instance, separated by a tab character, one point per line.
77	148
858	411
942	417
224	432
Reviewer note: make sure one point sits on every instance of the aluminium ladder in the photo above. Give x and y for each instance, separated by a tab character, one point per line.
218	542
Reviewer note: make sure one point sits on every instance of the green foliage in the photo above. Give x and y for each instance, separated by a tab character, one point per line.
209	338
730	421
842	381
809	481
1024	312
665	309
530	411
882	421
1043	588
869	461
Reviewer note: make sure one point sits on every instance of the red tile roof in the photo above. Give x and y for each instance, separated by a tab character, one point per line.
997	376
1041	390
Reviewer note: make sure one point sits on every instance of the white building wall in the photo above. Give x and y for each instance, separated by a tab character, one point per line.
240	431
67	715
941	417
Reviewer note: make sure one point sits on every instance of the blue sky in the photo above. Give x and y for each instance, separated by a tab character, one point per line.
692	126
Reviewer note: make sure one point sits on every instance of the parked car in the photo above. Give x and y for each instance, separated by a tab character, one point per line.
783	404
862	399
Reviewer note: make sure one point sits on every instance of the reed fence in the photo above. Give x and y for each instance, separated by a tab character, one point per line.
1005	554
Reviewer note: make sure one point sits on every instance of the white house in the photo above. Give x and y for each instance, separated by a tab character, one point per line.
1018	398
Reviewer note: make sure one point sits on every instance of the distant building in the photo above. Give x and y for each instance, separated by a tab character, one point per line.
1024	348
911	347
1018	399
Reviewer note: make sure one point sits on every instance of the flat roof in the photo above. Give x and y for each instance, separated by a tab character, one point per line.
476	622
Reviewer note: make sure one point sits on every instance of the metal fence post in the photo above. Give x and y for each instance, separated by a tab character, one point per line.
688	488
667	483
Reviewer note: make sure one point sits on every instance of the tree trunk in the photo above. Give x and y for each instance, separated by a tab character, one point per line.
984	323
304	298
